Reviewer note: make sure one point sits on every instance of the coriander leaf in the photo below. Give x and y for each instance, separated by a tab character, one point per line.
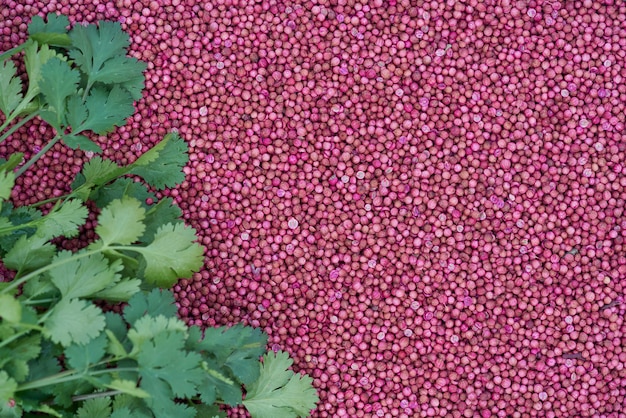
120	291
238	348
81	356
148	328
95	45
172	254
120	69
164	212
95	408
161	166
10	88
121	221
10	308
217	384
64	221
39	286
28	254
209	411
7	181
58	82
81	142
134	405
135	85
116	330
19	216
98	171
119	188
14	160
105	110
46	363
34	59
124	413
9	411
14	357
8	386
129	387
74	321
279	392
76	111
115	347
156	303
155	363
78	276
54	32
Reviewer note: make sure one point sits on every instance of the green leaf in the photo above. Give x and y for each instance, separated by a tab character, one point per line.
155	364
216	384
14	160
172	254
83	276
7	181
19	216
8	411
10	88
129	387
280	393
164	212
95	45
98	171
121	222
64	221
76	111
148	328
105	110
54	32
29	254
130	407
121	69
238	348
156	303
95	408
8	386
46	363
14	357
10	308
120	188
116	330
34	59
81	356
58	82
120	291
74	321
81	142
161	166
209	411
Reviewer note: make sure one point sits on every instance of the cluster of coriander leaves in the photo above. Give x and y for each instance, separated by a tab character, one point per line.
60	354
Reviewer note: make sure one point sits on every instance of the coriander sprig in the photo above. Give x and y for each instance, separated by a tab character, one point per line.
60	353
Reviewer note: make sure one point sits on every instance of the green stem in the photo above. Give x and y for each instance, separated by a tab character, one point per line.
40	301
37	156
69	376
6	55
15	127
12	338
79	398
17	283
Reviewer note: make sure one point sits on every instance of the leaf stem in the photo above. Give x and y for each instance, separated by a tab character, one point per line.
96	395
68	376
7	54
37	156
16	283
15	127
